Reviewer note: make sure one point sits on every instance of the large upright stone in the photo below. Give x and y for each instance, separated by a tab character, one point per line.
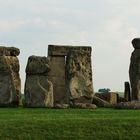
134	70
57	77
79	77
127	93
60	75
10	84
38	89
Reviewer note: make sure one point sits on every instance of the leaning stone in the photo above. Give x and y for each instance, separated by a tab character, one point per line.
110	97
100	103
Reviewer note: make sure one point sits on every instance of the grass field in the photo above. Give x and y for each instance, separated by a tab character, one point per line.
69	124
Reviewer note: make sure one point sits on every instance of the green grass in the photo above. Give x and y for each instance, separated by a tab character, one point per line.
69	124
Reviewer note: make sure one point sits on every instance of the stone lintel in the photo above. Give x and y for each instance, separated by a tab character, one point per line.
62	50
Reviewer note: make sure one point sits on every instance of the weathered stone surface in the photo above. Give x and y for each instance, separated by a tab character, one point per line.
110	97
4	67
100	102
58	55
13	62
134	74
57	77
7	90
127	94
10	84
9	51
38	65
81	99
38	89
61	106
85	105
128	105
63	50
79	76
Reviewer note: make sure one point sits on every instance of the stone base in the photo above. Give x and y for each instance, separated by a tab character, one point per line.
128	105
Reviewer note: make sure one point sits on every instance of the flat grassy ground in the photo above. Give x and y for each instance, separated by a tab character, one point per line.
69	124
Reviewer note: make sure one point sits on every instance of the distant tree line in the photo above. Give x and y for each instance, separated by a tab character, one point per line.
104	90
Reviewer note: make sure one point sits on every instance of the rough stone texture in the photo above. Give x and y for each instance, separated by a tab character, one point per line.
38	89
57	77
127	93
79	77
134	71
100	102
9	51
62	106
37	65
62	50
59	55
10	84
128	105
85	105
110	97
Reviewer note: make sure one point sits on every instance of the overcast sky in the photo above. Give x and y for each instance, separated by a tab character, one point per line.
106	25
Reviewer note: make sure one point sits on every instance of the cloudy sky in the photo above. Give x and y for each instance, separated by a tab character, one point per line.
106	25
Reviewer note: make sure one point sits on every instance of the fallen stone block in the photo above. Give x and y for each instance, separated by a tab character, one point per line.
100	102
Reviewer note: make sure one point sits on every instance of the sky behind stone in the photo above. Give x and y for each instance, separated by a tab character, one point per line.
106	25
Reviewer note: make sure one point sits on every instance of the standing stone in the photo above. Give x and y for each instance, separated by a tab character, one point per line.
10	84
127	95
57	77
79	77
38	89
134	70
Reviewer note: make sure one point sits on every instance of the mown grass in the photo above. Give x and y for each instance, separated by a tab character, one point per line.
69	124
